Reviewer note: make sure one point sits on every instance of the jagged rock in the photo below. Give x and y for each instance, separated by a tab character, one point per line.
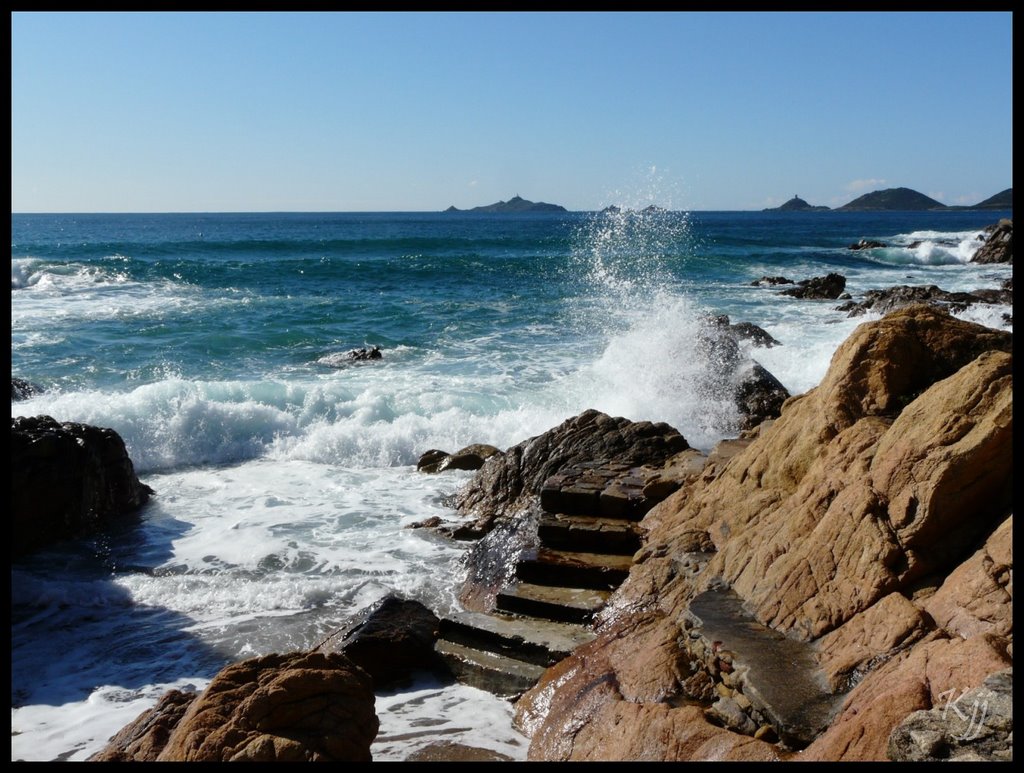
296	707
390	640
22	389
975	726
998	246
827	287
892	298
768	281
867	244
850	650
471	457
68	480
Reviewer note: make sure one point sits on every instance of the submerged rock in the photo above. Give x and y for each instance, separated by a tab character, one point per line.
22	389
342	359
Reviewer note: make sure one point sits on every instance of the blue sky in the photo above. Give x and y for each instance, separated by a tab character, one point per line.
211	112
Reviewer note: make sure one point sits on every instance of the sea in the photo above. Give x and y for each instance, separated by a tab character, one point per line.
285	474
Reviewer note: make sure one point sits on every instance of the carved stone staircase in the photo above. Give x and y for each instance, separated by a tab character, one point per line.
588	536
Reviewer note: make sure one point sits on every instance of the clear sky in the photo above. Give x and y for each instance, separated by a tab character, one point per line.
223	112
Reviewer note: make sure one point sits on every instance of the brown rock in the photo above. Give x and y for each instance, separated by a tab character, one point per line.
933	672
295	707
144	739
875	633
977	596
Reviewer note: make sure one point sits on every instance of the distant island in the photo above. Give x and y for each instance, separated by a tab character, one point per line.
902	199
796	204
515	204
613	209
896	200
1002	200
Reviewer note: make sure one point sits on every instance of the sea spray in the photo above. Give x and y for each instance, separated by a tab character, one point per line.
658	362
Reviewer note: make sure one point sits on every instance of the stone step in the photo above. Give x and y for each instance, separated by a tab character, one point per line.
567	605
571	569
542	642
614	495
504	676
589	533
778	675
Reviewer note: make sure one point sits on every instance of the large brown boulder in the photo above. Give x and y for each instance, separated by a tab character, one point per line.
68	480
297	707
869	523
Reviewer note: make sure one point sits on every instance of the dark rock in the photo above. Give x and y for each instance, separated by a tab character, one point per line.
796	204
69	480
827	287
429	460
471	457
390	640
747	331
509	483
491	562
772	280
891	298
515	204
428	523
759	396
341	359
998	246
22	389
867	244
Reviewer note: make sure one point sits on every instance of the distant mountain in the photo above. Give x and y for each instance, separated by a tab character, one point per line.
515	204
1002	200
796	204
893	199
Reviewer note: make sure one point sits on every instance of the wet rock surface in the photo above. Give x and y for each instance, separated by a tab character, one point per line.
68	480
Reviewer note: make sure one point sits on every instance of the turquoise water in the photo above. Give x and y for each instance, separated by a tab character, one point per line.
284	484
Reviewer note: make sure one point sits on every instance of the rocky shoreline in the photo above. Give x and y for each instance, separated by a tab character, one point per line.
833	584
